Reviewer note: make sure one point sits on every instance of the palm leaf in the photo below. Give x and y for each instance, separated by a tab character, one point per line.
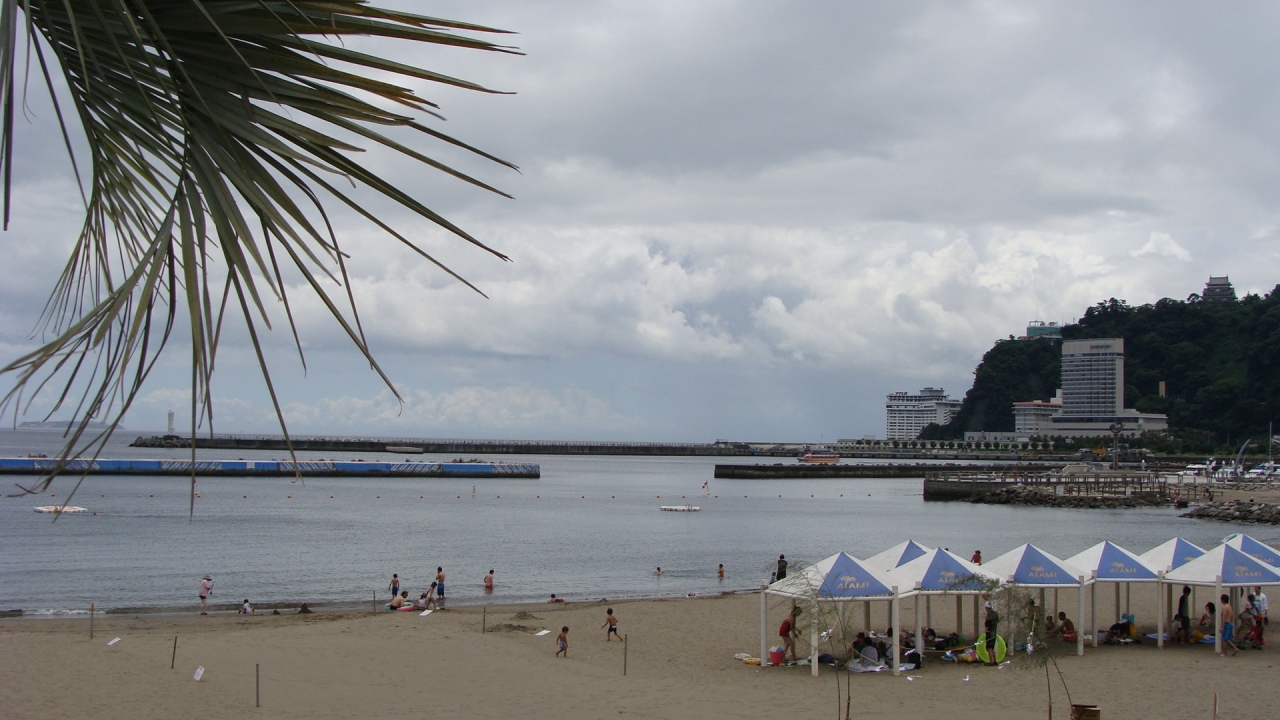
210	126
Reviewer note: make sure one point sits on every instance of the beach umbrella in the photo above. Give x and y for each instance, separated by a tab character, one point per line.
836	579
1029	566
900	554
1250	546
1224	566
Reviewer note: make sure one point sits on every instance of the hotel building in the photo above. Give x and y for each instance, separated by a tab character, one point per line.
906	414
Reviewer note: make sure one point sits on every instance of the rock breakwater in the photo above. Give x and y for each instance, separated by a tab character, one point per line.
1238	511
1044	498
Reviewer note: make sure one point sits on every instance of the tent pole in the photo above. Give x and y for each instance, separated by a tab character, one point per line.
1093	608
977	601
1160	616
919	629
1128	596
959	617
1217	616
897	632
813	641
1080	618
928	611
764	621
1117	603
1168	601
866	615
1055	604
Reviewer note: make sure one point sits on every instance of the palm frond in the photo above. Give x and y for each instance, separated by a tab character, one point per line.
210	125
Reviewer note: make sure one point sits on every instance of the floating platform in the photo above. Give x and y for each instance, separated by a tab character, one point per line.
269	468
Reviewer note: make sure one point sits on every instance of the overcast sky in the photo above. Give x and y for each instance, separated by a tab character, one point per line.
753	220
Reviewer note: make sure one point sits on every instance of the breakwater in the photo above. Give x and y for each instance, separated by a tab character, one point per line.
267	468
781	471
1238	511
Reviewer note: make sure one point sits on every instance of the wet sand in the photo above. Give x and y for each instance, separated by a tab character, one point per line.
679	665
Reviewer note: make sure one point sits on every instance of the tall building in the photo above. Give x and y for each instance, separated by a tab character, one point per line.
1092	377
1219	290
1093	392
906	414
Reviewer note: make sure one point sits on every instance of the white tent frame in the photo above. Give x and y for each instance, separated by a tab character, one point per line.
1158	579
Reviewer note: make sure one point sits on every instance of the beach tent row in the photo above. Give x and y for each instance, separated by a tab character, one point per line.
910	569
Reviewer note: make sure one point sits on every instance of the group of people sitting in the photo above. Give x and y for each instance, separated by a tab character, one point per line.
1247	626
425	601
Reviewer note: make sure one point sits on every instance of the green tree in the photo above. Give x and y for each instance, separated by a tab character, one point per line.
221	135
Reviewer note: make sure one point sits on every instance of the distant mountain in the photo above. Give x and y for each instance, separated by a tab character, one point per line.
63	425
1220	362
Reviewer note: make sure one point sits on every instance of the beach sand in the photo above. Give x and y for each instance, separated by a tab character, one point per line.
680	665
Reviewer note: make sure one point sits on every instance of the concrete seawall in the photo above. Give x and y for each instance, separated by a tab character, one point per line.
851	470
268	468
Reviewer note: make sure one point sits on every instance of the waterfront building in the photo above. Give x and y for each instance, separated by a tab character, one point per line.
907	414
1219	290
1035	417
1093	392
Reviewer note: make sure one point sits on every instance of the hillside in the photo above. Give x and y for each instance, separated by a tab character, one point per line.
1220	363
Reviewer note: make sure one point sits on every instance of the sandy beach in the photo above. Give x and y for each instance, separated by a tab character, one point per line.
679	665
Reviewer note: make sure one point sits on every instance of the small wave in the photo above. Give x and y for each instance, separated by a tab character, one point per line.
53	612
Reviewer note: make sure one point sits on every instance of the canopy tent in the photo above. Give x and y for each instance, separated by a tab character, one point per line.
839	578
1223	566
942	572
1109	562
1165	557
1258	550
1031	567
896	556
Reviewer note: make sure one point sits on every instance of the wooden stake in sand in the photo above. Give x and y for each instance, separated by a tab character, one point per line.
624	661
484	617
257	685
91	612
174	659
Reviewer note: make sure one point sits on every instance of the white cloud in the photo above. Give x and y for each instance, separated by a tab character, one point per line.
1163	244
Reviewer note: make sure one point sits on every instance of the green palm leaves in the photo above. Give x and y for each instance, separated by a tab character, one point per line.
217	131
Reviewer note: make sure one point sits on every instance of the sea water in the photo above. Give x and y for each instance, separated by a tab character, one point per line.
590	528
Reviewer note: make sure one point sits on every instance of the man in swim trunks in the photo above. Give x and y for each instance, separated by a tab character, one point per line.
488	582
394	585
206	589
992	624
562	641
1228	625
720	571
610	622
440	586
1183	634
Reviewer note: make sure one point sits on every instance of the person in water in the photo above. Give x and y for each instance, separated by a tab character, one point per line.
488	582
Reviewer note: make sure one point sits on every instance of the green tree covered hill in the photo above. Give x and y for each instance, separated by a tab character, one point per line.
1220	363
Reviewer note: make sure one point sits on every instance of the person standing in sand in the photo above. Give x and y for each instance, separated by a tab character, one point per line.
440	587
206	589
488	582
610	622
562	641
992	626
1228	625
788	632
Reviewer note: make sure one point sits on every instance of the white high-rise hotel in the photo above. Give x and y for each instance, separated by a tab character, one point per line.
1093	392
906	414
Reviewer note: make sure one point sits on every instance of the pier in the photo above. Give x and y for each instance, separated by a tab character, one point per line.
783	471
268	468
970	483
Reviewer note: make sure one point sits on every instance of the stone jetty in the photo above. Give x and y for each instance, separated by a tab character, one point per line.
1238	511
1045	497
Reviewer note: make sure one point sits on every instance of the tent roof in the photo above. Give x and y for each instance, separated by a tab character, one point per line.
1113	563
839	577
1236	568
1172	554
1258	550
900	554
943	571
1030	566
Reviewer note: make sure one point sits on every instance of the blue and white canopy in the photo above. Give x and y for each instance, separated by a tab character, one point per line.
898	555
1172	554
1029	566
1235	568
1250	546
941	571
1113	564
839	577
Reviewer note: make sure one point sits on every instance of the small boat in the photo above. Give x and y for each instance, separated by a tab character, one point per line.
59	509
820	457
680	508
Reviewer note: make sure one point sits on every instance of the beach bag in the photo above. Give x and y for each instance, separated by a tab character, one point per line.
1197	636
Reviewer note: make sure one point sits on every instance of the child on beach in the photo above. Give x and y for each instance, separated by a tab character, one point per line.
610	622
562	641
245	609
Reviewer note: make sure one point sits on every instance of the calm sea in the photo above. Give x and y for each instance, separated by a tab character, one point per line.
589	528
